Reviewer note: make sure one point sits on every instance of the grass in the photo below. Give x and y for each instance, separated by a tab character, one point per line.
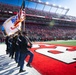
63	42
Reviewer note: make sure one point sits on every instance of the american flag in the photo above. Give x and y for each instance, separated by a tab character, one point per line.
20	16
13	24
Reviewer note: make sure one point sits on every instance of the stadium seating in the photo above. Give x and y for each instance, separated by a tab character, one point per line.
46	33
34	12
38	23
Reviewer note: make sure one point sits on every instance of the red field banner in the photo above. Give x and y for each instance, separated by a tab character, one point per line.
54	59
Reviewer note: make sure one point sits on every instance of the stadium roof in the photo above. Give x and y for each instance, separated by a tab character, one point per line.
39	5
45	6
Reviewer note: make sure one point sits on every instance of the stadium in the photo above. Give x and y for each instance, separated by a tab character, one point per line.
53	34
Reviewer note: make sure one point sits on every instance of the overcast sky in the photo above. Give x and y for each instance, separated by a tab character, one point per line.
71	4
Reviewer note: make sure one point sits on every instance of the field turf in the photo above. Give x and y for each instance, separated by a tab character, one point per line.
63	42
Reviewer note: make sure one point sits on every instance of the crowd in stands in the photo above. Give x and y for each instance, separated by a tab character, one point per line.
7	7
45	33
48	33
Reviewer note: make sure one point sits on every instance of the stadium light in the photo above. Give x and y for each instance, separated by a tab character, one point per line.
65	8
54	4
39	1
60	6
47	3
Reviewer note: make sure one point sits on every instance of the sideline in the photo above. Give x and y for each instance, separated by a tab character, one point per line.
9	67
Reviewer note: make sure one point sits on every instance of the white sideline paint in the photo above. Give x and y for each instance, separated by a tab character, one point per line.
9	67
66	56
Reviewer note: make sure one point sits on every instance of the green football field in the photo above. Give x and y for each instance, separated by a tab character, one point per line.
63	42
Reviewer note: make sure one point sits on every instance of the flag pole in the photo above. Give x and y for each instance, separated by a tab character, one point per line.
23	26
